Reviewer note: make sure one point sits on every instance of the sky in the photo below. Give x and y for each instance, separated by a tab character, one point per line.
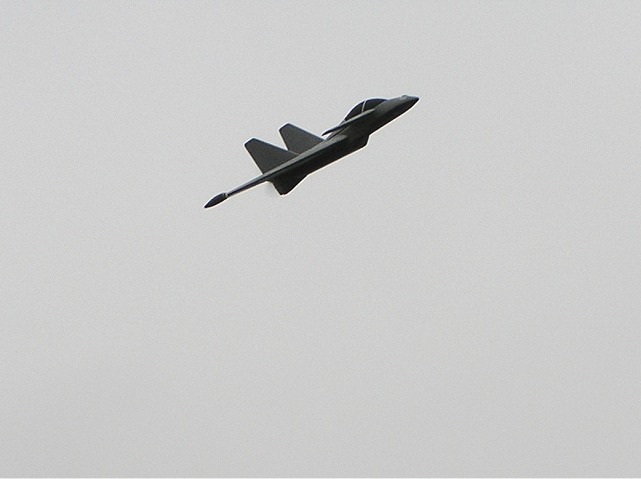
462	297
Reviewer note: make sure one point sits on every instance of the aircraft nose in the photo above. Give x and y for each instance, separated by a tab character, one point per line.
411	99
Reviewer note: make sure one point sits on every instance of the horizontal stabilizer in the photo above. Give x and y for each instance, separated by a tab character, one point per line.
266	155
297	139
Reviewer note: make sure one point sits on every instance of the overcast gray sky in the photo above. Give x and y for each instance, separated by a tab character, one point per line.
461	297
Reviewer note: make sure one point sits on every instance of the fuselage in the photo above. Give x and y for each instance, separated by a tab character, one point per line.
324	153
345	138
353	136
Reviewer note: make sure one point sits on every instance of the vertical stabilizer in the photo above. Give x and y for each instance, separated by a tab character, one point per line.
297	139
266	155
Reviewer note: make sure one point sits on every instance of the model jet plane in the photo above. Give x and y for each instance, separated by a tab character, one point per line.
307	152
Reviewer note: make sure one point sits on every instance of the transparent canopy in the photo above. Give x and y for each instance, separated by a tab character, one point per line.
364	106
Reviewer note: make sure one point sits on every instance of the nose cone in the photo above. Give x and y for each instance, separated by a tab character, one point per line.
404	103
411	100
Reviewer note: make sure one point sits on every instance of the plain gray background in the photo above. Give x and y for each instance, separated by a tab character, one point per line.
461	297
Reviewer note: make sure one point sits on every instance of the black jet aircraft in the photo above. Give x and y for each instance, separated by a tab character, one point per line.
307	152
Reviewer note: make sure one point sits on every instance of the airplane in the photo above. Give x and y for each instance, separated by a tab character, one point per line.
306	152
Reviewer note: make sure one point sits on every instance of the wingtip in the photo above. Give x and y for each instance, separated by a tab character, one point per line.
216	199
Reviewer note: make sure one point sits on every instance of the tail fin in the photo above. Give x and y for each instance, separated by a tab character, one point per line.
266	155
297	139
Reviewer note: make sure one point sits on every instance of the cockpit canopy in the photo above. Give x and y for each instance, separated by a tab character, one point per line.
364	106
